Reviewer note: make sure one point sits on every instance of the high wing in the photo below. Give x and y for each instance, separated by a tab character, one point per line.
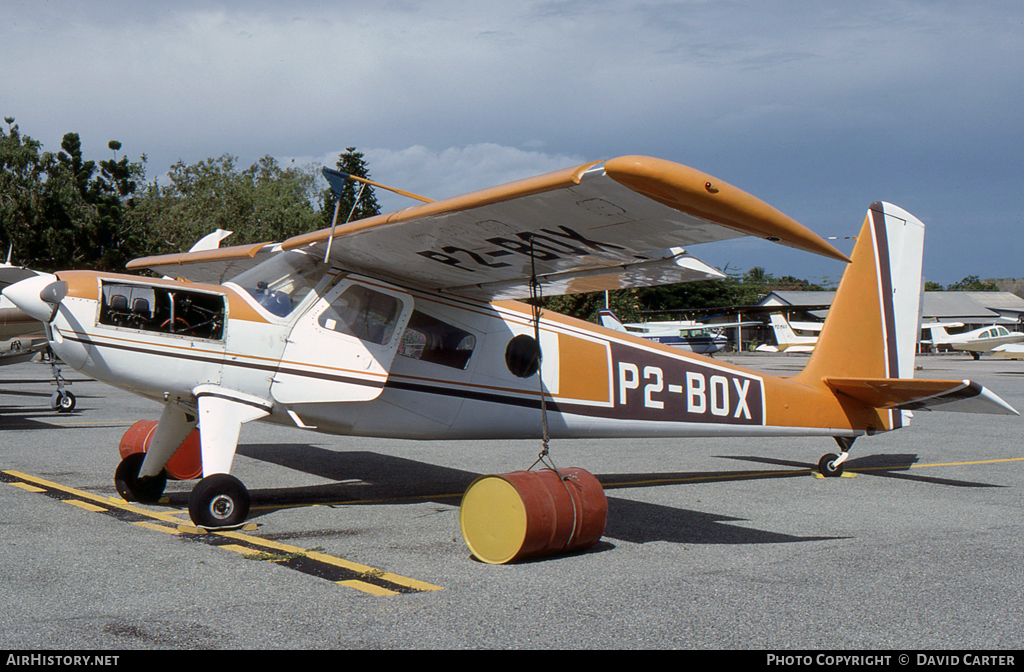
604	225
212	266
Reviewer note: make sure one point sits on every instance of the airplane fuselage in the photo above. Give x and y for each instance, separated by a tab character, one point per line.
436	368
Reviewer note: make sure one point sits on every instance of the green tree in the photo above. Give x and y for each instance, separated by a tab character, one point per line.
354	163
972	284
261	203
634	305
56	210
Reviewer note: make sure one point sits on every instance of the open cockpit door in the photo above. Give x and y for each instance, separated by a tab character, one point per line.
341	349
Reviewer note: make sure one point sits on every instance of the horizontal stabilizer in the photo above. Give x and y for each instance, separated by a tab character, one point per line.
909	394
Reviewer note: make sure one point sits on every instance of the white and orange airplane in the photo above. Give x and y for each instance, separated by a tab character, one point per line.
407	325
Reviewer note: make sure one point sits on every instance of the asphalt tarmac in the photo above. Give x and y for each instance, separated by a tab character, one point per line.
716	544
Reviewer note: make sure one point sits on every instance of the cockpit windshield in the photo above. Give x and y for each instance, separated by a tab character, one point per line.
283	281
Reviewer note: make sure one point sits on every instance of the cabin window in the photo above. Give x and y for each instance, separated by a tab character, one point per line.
282	282
431	340
367	314
165	310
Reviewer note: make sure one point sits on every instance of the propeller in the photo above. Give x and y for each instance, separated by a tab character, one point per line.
38	296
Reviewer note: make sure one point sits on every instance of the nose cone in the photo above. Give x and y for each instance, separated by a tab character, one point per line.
25	295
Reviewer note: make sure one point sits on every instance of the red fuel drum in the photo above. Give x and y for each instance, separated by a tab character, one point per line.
527	514
186	463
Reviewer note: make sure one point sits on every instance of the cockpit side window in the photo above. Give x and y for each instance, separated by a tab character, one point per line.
281	283
364	313
161	309
431	340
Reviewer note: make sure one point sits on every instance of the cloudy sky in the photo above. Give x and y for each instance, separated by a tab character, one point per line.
817	108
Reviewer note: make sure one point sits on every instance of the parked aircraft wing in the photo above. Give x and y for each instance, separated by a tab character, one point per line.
605	225
962	396
212	266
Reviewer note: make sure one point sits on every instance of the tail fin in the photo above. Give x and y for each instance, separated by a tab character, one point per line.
867	345
938	334
609	320
872	327
784	334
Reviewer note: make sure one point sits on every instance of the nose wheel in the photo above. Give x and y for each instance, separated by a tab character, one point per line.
219	500
63	402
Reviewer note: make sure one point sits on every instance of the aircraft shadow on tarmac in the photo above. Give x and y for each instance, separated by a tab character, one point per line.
895	466
373	478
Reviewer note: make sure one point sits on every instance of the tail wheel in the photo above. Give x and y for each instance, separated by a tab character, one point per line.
828	467
219	500
133	488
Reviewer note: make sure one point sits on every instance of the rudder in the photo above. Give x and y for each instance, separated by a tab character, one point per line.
873	323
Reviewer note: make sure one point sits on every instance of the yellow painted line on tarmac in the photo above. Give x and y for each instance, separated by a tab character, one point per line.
99	499
962	464
332	560
26	486
91	423
712	477
157	528
360	502
797	472
99	503
237	548
85	505
367	588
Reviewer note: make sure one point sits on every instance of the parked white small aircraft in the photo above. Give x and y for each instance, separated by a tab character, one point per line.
977	341
405	325
1009	351
22	336
787	340
690	336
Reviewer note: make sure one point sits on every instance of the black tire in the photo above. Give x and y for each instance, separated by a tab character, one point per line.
135	489
65	402
219	500
827	467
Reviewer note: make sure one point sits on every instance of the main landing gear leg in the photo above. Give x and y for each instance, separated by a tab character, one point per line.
220	500
831	465
61	401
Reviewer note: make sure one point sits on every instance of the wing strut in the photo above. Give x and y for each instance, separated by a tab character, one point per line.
536	295
337	206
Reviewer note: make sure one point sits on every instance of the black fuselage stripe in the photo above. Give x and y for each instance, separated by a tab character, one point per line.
472	394
270	368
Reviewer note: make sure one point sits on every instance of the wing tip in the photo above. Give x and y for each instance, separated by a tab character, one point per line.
702	195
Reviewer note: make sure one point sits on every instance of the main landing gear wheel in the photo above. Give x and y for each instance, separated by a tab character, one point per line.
62	402
133	488
219	500
828	467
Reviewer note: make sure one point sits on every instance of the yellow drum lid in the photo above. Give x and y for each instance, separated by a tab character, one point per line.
493	520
